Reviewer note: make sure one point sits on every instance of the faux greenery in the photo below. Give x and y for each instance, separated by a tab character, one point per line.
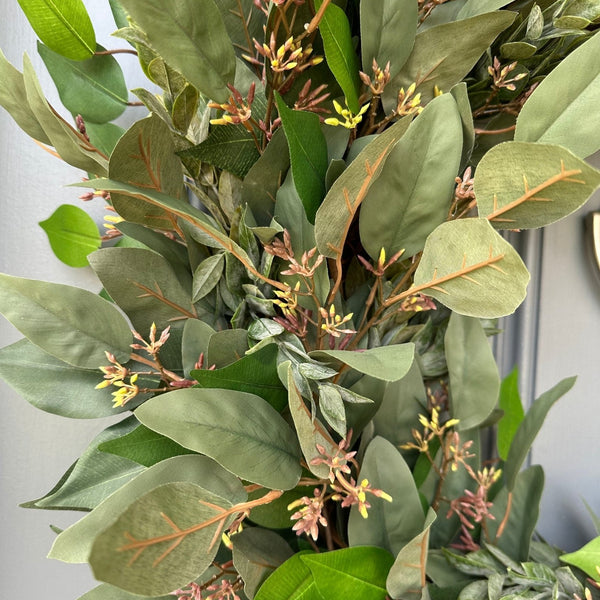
302	266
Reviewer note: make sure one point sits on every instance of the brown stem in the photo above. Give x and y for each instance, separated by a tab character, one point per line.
312	26
505	519
117	51
495	131
146	361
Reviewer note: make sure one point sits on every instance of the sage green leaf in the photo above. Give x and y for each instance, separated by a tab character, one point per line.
526	185
444	54
291	581
387	33
471	269
196	336
243	23
57	387
104	135
63	26
95	475
191	37
474	378
254	373
309	429
226	347
585	9
586	558
535	23
119	14
517	50
71	145
308	155
13	97
94	88
75	543
74	325
332	407
143	446
72	234
185	107
144	285
256	554
389	363
145	157
523	514
358	573
110	592
510	403
412	194
529	428
241	431
562	109
461	97
391	525
131	554
478	7
334	216
339	52
207	276
407	576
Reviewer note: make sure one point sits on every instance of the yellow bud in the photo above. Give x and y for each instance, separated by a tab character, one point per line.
381	260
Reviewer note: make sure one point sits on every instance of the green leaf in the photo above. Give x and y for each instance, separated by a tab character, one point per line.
63	26
119	14
95	475
444	54
143	446
110	592
407	576
524	511
468	267
332	407
161	565
391	525
144	285
412	194
389	363
339	52
478	7
56	386
587	558
207	276
528	185
308	155
256	554
94	88
562	109
72	234
13	97
104	135
529	428
474	378
226	347
275	515
461	97
241	431
387	33
510	403
517	50
358	573
145	156
334	216
195	340
291	581
254	373
191	37
240	17
74	325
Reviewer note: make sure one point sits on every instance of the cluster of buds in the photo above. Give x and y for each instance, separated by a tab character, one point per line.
431	429
407	103
417	303
309	515
237	110
80	124
333	324
309	100
290	56
191	592
152	346
224	590
288	300
115	374
111	221
350	120
87	196
283	249
500	73
464	187
295	323
382	262
380	78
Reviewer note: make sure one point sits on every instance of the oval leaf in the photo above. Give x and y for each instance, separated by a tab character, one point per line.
467	266
510	404
63	26
524	185
587	558
207	276
241	431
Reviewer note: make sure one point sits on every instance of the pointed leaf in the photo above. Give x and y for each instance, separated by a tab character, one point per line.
587	558
529	428
72	324
474	378
510	403
239	430
72	234
207	276
525	185
412	194
332	407
562	109
473	8
468	267
63	26
391	525
191	37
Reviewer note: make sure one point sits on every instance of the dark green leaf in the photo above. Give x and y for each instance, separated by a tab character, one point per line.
276	515
63	26
241	431
243	23
104	136
529	428
191	37
461	97
308	155
510	403
226	347
94	88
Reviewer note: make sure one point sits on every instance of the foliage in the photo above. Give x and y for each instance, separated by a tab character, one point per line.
301	249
